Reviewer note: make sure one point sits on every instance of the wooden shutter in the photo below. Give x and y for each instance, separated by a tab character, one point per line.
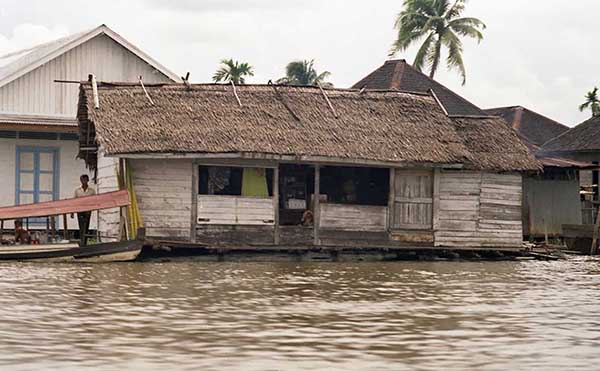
413	200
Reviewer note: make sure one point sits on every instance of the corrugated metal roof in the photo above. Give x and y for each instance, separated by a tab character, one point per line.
17	64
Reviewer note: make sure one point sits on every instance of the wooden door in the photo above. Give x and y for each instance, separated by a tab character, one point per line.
413	200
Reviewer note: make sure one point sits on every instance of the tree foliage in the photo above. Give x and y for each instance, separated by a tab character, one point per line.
304	73
591	102
235	71
440	24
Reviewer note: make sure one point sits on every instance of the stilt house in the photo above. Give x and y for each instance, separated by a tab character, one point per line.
265	165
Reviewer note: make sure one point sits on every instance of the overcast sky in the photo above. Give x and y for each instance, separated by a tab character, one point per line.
542	54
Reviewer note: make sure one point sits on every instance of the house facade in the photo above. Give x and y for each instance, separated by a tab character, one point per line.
38	127
269	166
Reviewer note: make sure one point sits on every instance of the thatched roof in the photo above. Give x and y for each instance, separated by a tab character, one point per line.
387	126
583	137
537	128
398	74
493	145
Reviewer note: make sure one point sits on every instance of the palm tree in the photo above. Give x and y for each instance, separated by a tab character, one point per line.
234	71
439	21
304	73
591	101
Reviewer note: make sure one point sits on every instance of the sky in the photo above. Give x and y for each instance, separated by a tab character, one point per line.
540	54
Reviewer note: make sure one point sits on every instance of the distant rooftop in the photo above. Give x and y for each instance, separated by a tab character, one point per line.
536	128
398	74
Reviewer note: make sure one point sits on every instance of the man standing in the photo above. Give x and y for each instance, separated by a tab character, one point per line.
83	218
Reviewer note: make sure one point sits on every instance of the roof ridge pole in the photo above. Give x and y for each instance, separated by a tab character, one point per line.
236	94
145	91
327	99
438	101
95	91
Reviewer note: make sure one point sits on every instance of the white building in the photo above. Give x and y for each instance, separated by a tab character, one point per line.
38	129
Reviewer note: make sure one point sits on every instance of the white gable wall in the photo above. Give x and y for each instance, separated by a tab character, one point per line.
37	93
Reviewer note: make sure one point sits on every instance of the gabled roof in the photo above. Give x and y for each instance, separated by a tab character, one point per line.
538	129
17	64
398	74
583	137
382	126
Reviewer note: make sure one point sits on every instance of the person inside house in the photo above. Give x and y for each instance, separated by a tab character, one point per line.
22	236
83	218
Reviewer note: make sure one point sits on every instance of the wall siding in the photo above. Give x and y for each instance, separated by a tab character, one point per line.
353	217
234	210
107	181
37	93
164	194
479	210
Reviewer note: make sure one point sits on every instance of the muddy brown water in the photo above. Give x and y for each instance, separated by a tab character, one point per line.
301	316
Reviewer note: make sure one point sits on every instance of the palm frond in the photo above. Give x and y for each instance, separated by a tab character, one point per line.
455	49
423	53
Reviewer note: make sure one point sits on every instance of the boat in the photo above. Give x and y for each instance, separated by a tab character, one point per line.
67	251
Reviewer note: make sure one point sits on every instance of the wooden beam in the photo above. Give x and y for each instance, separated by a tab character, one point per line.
301	159
317	204
391	199
276	204
194	211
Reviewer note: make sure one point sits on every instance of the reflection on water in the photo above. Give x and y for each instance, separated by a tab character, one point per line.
301	316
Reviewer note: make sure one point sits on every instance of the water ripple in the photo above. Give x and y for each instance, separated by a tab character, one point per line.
272	316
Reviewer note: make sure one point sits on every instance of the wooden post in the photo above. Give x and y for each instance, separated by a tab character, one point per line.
391	199
53	226
435	208
276	204
194	211
65	227
596	232
317	204
1	230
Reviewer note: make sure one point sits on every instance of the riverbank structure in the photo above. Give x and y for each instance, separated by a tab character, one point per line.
258	166
38	106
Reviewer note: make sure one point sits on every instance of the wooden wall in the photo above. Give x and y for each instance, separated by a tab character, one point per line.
548	204
479	210
353	217
235	210
108	220
164	193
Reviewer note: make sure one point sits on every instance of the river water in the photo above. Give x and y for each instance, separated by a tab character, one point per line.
301	316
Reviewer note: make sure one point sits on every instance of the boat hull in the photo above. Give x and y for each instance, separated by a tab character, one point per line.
99	253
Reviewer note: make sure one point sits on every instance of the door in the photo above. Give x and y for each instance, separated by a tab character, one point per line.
413	203
37	175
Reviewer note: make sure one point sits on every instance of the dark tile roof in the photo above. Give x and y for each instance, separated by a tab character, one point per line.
583	137
538	129
398	74
388	126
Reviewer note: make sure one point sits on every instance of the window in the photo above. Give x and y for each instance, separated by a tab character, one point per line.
36	175
236	181
355	185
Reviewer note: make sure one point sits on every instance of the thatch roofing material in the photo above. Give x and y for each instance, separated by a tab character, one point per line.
376	126
398	74
583	137
493	145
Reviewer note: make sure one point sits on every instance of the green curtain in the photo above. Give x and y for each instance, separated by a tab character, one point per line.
254	183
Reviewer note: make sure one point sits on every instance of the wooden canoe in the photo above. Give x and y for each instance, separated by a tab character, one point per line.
99	253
